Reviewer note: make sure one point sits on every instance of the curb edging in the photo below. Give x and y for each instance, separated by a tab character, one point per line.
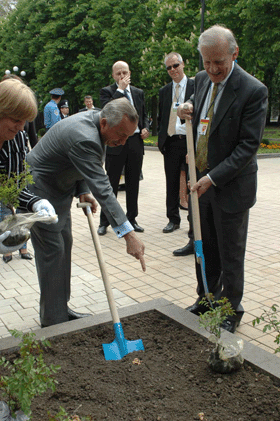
252	354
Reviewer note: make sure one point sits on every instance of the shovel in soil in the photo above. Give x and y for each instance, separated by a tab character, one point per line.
120	346
195	209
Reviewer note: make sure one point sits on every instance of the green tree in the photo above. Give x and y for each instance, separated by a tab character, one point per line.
256	26
73	44
6	6
176	27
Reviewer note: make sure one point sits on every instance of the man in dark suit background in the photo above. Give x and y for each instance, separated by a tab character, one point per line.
172	138
226	164
88	101
129	156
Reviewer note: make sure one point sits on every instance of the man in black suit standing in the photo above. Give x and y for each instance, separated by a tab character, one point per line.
172	138
89	104
129	156
229	112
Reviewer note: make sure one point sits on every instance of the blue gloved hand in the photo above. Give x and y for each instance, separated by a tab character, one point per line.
45	208
4	249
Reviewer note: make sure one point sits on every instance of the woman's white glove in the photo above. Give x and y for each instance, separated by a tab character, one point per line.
5	249
45	208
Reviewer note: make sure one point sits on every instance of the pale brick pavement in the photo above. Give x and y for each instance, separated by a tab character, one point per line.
167	276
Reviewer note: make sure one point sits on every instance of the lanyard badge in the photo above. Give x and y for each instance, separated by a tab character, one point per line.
175	106
203	126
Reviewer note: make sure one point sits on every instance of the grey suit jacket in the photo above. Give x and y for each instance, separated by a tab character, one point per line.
68	161
235	135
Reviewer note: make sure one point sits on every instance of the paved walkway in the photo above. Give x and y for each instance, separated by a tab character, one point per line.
167	276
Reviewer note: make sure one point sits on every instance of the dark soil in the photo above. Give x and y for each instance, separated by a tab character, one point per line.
170	380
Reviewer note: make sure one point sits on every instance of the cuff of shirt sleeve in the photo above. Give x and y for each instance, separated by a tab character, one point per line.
80	194
211	179
123	229
120	90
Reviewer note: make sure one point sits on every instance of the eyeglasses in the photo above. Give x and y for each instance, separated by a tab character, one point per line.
174	66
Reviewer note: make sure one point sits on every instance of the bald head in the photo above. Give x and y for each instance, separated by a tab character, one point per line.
120	70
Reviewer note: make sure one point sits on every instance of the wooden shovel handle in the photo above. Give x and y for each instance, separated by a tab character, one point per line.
193	180
101	261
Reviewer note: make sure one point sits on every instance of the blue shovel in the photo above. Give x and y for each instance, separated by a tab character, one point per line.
195	209
120	346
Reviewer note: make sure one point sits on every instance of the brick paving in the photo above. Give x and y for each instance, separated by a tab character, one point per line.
167	276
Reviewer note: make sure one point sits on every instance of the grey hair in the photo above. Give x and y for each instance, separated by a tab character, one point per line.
115	110
216	34
173	53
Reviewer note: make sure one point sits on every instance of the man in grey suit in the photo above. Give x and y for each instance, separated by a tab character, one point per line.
231	105
68	162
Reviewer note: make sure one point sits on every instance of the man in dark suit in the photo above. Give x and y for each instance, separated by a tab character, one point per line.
89	104
67	162
129	156
172	139
234	118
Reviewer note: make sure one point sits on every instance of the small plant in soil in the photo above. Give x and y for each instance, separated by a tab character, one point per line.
225	357
218	311
10	188
29	376
270	317
62	415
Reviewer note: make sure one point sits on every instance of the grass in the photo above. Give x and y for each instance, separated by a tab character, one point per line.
269	145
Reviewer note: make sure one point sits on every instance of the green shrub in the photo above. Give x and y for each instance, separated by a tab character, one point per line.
29	375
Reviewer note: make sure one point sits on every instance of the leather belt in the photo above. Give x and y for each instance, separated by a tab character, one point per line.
179	136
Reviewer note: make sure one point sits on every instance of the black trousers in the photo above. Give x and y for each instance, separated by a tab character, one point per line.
174	156
224	237
52	245
131	158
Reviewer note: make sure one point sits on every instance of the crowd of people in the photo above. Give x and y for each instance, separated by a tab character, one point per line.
228	109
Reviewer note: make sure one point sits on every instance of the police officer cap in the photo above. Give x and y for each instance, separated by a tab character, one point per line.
57	91
64	104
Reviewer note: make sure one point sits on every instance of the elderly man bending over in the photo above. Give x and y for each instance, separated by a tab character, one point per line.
68	162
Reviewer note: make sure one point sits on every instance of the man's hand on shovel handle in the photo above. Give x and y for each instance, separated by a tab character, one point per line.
201	186
184	111
89	199
135	247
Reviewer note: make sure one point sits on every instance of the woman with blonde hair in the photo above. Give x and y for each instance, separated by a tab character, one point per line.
17	105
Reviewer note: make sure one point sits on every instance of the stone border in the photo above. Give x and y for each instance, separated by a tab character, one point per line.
252	354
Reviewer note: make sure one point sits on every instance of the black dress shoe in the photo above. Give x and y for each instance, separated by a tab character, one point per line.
197	309
74	316
121	187
230	325
7	259
185	251
170	227
26	256
137	227
102	229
